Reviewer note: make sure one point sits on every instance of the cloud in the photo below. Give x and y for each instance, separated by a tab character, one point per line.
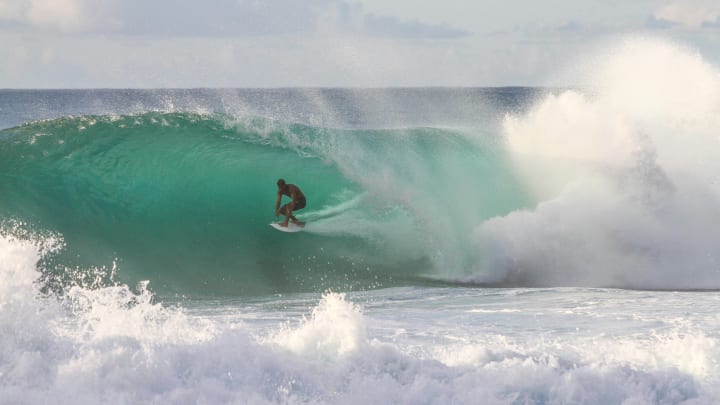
219	18
165	17
394	27
693	14
654	23
63	13
59	15
11	10
567	30
713	24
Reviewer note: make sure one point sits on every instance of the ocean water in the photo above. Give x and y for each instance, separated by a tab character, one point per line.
464	245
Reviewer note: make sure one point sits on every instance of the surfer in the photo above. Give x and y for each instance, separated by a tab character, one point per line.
297	203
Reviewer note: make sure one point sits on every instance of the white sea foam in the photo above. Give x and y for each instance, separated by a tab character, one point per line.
335	329
626	173
112	345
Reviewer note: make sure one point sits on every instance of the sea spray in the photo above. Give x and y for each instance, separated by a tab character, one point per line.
336	328
626	188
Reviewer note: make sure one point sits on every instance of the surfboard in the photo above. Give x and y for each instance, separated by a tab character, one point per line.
290	228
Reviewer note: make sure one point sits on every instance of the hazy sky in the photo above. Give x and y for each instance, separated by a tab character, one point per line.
307	43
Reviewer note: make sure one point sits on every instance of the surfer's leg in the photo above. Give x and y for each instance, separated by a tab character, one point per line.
288	215
285	210
295	220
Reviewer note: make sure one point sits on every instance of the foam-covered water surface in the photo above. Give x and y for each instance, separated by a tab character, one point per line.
407	345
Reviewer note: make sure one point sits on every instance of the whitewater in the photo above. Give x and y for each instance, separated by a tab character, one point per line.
464	245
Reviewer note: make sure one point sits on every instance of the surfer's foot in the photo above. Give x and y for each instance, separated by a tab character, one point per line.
283	224
298	223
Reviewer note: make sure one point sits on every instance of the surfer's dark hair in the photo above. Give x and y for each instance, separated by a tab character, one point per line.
281	182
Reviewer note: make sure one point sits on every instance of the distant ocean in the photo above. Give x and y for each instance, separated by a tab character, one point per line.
464	245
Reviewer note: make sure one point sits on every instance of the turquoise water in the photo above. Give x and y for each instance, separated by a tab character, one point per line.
184	199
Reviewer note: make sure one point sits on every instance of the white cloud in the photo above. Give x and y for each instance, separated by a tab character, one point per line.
219	18
392	26
690	13
65	14
60	15
12	10
270	43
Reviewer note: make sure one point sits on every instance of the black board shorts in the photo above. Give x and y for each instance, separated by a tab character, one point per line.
299	204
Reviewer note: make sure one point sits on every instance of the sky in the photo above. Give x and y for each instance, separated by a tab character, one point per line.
327	43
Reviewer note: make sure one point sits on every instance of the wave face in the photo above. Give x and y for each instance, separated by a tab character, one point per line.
184	200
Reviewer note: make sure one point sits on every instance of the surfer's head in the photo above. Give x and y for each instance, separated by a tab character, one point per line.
281	183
